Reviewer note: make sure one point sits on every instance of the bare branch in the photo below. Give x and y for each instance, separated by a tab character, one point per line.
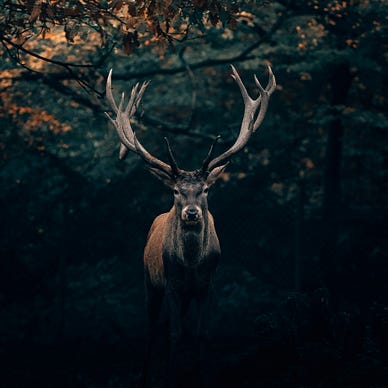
241	57
193	89
176	129
53	61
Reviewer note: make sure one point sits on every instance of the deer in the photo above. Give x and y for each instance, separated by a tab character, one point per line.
182	250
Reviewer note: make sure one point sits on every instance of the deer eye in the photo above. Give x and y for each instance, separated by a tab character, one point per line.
176	192
205	190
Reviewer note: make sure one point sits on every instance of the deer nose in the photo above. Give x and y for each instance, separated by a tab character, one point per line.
192	213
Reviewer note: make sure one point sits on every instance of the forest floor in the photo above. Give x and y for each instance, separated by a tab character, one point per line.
91	335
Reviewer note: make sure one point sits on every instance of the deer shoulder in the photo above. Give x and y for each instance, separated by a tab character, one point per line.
153	251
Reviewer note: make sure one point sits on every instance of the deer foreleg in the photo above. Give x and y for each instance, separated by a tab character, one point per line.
154	299
174	303
202	340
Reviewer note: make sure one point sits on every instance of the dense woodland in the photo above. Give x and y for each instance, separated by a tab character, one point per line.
300	298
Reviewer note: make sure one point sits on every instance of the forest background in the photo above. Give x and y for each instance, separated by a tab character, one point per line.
301	214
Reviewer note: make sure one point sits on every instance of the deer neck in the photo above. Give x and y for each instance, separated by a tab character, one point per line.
190	241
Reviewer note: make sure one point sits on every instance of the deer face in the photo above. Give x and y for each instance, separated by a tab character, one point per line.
190	190
190	197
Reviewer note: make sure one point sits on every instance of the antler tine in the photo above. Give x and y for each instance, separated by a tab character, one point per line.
129	108
271	86
174	165
109	94
123	152
139	95
237	78
122	123
209	156
251	119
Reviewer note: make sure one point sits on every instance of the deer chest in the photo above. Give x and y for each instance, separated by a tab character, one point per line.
190	278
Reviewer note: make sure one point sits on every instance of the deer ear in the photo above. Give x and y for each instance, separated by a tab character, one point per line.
215	174
163	176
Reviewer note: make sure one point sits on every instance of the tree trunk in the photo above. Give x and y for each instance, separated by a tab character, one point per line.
299	233
340	81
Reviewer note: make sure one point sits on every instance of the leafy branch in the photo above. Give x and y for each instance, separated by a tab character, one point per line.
20	47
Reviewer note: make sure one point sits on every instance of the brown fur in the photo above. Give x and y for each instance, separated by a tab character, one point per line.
153	251
153	260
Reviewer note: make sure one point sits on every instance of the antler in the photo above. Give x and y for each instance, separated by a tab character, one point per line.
205	163
128	139
251	120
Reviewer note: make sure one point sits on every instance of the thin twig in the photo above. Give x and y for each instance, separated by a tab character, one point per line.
193	89
243	56
53	61
178	130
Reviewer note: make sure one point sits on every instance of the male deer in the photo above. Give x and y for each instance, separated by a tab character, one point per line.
182	249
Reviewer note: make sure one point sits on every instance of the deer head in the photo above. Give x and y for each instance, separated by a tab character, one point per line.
190	187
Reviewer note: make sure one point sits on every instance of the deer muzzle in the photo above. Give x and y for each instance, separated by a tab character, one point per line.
191	215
